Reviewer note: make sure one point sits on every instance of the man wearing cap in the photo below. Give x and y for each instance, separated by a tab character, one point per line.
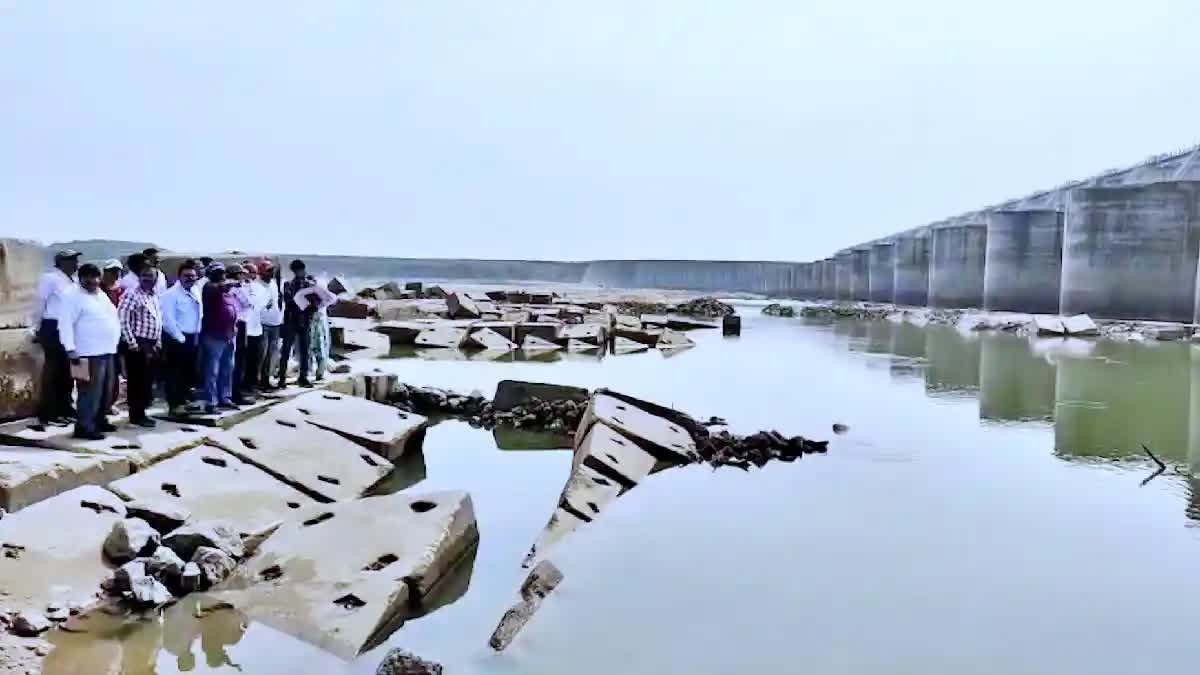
110	275
52	291
218	331
90	330
132	278
272	319
181	313
141	333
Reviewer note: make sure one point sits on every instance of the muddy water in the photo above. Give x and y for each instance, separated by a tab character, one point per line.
985	513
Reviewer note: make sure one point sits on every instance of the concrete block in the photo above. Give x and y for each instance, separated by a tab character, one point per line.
613	455
446	337
461	307
337	286
540	583
1049	325
579	346
320	463
403	332
491	340
544	330
519	297
881	273
21	266
506	329
626	321
533	343
623	345
516	315
646	336
212	484
20	373
344	576
673	339
1024	261
659	436
1080	325
349	309
585	332
512	393
29	475
375	426
52	550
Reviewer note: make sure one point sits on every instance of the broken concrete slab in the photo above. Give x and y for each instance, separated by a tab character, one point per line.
52	550
516	315
161	514
211	484
543	330
587	493
585	332
493	355
447	337
491	340
675	323
673	339
544	578
579	346
373	386
646	336
1049	325
623	345
224	419
218	534
507	329
461	307
349	309
318	462
610	453
140	446
1080	325
512	393
29	475
337	286
533	343
344	576
661	437
378	427
627	322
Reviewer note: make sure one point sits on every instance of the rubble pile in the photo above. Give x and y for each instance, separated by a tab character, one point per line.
640	307
478	411
777	309
707	307
757	449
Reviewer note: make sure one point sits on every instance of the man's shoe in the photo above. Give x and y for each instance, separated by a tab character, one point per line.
144	422
210	410
106	427
305	383
177	411
228	405
88	435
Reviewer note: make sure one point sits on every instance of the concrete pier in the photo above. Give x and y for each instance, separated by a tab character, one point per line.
956	266
882	274
910	279
1024	261
860	277
1131	252
844	264
828	279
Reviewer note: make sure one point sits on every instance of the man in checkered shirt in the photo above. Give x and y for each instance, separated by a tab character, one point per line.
141	333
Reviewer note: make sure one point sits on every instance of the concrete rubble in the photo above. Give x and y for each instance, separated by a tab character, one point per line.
533	343
673	339
344	576
399	662
542	580
29	475
491	340
623	345
778	309
447	337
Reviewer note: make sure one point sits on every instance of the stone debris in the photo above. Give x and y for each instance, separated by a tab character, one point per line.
726	449
491	340
29	624
708	307
344	576
544	578
129	539
211	534
147	591
165	565
461	307
192	578
513	393
160	514
781	310
215	565
673	339
623	345
125	576
533	343
399	662
1080	325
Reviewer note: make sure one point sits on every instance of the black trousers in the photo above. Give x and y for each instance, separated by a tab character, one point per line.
239	360
141	369
298	336
56	374
180	368
250	364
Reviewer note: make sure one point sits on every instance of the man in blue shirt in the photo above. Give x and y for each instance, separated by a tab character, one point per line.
181	316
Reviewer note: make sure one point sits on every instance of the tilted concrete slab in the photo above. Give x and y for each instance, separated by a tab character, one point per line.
627	321
345	576
224	419
673	339
490	339
612	454
507	329
533	343
448	337
659	436
29	475
461	307
321	463
579	346
402	332
215	485
380	428
646	336
545	330
1049	325
623	345
585	332
52	550
1080	325
587	493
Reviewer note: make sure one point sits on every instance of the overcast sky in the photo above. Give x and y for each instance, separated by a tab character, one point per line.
569	130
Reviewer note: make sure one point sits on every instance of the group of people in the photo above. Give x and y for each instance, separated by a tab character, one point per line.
212	338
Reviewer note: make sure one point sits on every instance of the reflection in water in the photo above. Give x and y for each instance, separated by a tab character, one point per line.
1014	385
952	361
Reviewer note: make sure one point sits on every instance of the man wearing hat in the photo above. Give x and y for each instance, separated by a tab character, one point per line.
110	275
53	289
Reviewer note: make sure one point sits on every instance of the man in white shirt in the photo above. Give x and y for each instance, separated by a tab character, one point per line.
252	298
181	315
272	320
90	330
54	287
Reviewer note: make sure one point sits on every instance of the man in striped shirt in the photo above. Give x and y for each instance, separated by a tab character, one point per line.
141	332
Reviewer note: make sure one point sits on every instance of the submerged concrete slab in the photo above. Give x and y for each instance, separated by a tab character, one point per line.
447	337
533	343
657	435
544	330
215	485
614	455
380	428
402	332
490	339
345	576
623	345
579	346
320	463
673	339
1049	325
512	393
585	332
52	550
29	475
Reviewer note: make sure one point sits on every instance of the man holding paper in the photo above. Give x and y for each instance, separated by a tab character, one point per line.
90	329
